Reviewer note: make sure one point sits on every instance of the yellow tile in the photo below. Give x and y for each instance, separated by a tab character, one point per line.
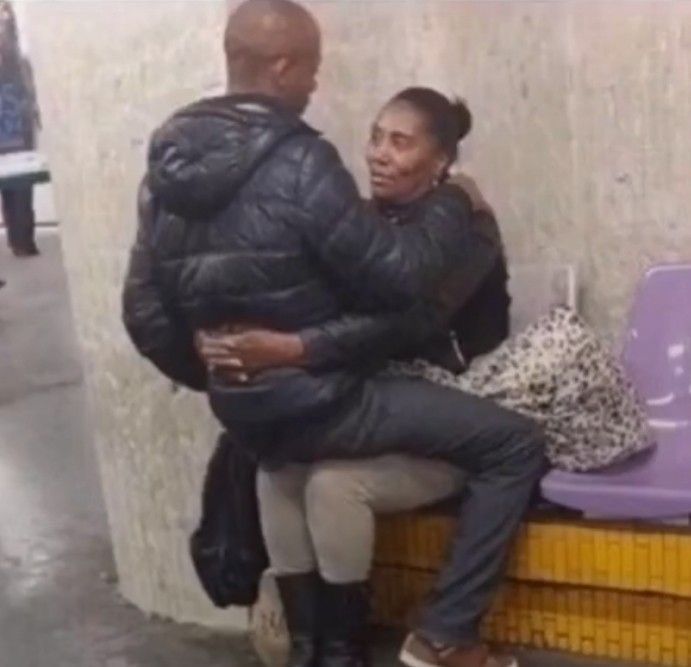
613	625
657	565
603	618
668	634
685	564
600	614
614	564
562	620
560	548
671	563
546	552
626	632
575	631
601	569
628	558
640	610
534	553
573	561
588	613
549	606
653	639
641	579
682	653
587	556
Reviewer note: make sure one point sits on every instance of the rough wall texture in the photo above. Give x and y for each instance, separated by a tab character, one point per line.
108	72
581	142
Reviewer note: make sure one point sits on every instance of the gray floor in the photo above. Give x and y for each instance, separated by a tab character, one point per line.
58	601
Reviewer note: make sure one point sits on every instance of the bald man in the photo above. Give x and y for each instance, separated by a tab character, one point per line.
273	47
248	216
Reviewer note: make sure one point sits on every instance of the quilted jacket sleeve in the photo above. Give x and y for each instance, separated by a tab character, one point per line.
383	266
356	338
150	322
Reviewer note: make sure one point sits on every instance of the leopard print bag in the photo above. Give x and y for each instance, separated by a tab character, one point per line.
560	374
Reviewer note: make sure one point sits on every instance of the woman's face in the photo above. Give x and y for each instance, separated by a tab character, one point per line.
403	157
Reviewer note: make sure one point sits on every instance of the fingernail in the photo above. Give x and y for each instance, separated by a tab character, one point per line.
235	363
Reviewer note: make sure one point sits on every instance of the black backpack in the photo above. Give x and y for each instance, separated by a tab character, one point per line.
227	548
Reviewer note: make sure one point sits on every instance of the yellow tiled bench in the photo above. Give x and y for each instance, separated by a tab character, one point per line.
621	591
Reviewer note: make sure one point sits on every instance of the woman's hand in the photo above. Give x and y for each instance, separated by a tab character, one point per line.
471	188
238	353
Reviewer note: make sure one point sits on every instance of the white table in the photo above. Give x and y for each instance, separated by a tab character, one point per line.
24	168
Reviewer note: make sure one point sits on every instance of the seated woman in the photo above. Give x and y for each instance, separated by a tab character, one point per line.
320	518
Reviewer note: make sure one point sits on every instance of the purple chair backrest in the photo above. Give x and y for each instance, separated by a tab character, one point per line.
657	349
657	357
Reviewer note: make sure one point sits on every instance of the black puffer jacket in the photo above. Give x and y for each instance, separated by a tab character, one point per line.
472	317
247	215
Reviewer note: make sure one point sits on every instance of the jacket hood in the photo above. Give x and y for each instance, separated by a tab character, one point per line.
205	152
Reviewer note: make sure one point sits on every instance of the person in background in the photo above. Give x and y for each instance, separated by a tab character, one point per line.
19	121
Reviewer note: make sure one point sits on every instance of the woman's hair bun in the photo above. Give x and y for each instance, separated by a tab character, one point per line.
463	117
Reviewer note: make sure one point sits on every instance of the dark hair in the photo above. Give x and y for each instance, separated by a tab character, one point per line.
449	121
10	21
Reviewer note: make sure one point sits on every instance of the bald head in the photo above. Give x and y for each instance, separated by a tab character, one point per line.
273	47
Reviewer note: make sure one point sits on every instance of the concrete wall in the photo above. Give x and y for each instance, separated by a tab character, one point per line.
581	142
107	72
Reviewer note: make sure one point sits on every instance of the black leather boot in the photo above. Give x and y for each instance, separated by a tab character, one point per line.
344	615
300	596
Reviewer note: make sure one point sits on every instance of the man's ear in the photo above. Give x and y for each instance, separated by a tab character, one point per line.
280	66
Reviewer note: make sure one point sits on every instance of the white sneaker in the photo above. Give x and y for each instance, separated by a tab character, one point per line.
418	652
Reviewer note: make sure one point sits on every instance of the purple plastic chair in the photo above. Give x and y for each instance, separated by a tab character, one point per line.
657	356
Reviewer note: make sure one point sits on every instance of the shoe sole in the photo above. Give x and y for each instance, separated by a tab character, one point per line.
411	661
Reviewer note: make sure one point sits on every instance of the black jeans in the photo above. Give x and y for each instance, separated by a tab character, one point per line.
18	213
503	453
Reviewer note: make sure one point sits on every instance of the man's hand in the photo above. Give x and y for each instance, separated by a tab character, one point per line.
217	355
237	353
471	188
